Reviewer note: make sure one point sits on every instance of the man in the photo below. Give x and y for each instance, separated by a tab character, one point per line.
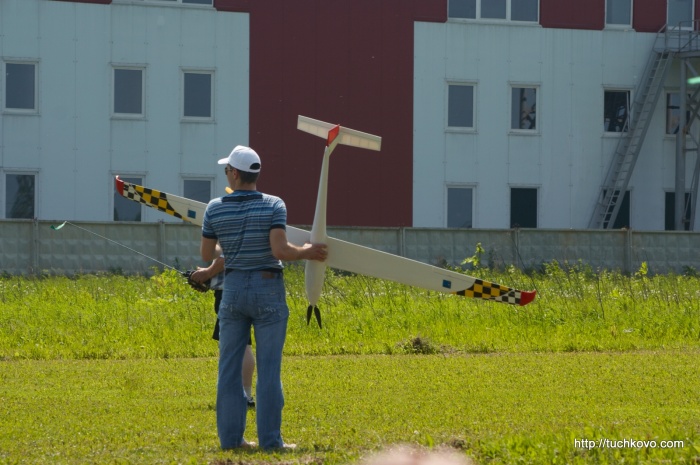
249	227
214	273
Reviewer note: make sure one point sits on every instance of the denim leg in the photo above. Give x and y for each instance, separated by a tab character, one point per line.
231	406
270	326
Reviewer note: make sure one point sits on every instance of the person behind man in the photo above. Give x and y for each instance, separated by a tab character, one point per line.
214	273
250	227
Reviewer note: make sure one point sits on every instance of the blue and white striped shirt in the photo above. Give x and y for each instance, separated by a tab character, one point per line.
241	222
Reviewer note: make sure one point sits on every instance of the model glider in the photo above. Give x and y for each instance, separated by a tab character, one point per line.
342	255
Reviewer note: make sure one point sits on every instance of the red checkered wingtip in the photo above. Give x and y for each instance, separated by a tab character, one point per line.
526	297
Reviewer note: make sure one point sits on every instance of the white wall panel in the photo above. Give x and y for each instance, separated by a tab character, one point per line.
568	156
75	143
20	37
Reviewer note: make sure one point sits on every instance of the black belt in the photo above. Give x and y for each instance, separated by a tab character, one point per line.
275	271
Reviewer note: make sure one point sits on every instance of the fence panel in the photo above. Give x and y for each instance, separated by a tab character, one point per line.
32	247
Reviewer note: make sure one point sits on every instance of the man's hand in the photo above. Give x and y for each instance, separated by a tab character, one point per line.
198	279
315	252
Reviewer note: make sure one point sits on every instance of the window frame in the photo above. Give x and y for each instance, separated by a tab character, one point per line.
508	16
209	179
628	25
630	101
470	187
467	129
688	20
212	93
524	131
132	116
20	111
12	172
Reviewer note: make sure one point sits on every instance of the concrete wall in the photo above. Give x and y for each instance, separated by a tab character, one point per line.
33	247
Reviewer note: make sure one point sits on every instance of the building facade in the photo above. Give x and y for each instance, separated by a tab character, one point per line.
494	114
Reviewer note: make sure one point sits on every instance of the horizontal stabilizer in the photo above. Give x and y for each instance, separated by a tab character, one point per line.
346	136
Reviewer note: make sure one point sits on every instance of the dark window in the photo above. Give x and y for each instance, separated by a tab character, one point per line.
670	214
462	9
459	207
128	91
493	9
20	196
460	106
616	110
623	214
20	86
198	189
524	108
618	12
198	95
523	207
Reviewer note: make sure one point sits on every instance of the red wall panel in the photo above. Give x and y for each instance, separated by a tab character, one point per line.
348	62
573	14
649	15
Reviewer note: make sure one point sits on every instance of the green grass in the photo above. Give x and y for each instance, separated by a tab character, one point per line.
496	408
116	369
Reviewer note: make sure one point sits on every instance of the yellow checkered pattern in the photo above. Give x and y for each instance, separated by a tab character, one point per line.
491	291
150	197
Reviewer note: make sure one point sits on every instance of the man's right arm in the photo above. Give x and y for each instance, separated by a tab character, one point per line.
283	250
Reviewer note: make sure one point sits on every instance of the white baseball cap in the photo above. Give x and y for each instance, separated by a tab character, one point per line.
243	158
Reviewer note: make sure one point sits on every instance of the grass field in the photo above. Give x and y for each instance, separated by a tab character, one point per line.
121	369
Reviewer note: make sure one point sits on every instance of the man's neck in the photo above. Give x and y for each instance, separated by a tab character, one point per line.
245	187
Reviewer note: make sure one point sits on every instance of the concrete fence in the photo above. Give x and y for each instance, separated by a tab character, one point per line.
33	247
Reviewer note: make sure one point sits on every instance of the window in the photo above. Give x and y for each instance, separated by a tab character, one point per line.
20	86
125	209
198	94
513	10
493	9
459	207
524	108
680	13
523	207
670	213
673	112
616	109
623	214
618	12
460	106
128	91
20	195
198	189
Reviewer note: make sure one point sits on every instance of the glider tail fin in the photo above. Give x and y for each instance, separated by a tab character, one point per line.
343	135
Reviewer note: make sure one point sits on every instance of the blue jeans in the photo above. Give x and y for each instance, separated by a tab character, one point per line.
251	298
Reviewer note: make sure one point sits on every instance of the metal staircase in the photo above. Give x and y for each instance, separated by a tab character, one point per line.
630	142
682	41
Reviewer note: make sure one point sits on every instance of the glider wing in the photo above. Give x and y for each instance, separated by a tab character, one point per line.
347	256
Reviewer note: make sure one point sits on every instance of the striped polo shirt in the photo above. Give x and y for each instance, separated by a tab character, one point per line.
241	222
